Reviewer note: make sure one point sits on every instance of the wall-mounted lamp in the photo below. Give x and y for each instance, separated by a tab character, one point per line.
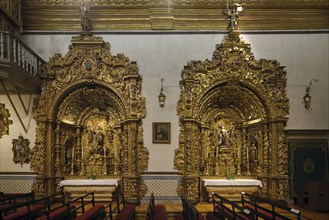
307	97
161	96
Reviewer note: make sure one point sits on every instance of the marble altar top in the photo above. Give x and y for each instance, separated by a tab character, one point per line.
235	182
98	182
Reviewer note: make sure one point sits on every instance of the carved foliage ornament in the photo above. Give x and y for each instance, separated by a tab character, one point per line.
233	60
239	100
83	101
4	120
38	152
96	65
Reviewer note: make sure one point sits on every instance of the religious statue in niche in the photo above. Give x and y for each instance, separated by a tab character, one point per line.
69	143
223	150
97	149
21	150
96	139
253	153
4	120
68	151
222	136
253	149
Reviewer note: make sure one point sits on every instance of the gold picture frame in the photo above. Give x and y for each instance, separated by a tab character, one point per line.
21	150
4	120
161	133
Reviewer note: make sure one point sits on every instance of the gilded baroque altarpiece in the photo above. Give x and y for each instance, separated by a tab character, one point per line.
232	115
89	119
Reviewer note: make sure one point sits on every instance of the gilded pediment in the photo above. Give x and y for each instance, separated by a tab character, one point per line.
89	62
232	70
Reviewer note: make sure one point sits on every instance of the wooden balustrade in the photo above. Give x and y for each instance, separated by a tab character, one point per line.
14	50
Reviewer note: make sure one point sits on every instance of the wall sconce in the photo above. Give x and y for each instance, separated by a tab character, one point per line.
161	96
307	97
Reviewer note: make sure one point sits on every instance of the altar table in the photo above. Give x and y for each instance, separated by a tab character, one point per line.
231	189
103	188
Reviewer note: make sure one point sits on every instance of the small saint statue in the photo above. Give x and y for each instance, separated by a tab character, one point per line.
233	16
222	141
85	21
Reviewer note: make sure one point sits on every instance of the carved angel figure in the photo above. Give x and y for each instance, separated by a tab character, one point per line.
85	20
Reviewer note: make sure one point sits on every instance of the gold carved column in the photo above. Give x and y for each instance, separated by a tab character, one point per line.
192	162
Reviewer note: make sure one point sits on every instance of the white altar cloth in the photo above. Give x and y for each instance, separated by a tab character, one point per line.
236	182
230	189
81	182
103	188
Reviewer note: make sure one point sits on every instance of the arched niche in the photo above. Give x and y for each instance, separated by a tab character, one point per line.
232	115
89	119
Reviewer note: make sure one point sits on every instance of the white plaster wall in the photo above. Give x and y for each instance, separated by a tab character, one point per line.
159	55
6	154
306	57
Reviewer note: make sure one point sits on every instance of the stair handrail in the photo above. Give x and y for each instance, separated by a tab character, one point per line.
12	49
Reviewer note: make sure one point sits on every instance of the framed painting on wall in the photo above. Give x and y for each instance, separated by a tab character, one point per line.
161	133
21	150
